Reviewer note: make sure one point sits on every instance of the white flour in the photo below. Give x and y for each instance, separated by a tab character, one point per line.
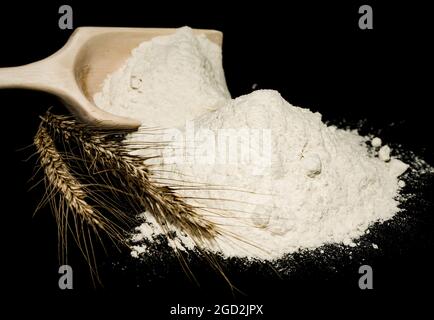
276	176
167	80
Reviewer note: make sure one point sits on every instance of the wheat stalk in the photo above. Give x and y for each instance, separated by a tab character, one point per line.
104	154
59	177
161	201
66	194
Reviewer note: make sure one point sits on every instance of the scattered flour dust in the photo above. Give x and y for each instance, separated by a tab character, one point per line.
273	174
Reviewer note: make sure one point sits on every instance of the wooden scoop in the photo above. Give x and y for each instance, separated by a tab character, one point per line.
75	72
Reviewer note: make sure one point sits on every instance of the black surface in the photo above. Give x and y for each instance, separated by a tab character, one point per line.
316	56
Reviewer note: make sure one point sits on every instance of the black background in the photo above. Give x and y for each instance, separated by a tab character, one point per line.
317	57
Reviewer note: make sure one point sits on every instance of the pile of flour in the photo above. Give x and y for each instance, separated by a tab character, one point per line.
272	176
167	80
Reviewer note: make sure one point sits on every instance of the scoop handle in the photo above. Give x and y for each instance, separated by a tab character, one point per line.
31	76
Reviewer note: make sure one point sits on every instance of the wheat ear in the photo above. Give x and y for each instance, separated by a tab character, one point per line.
106	153
161	201
66	194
